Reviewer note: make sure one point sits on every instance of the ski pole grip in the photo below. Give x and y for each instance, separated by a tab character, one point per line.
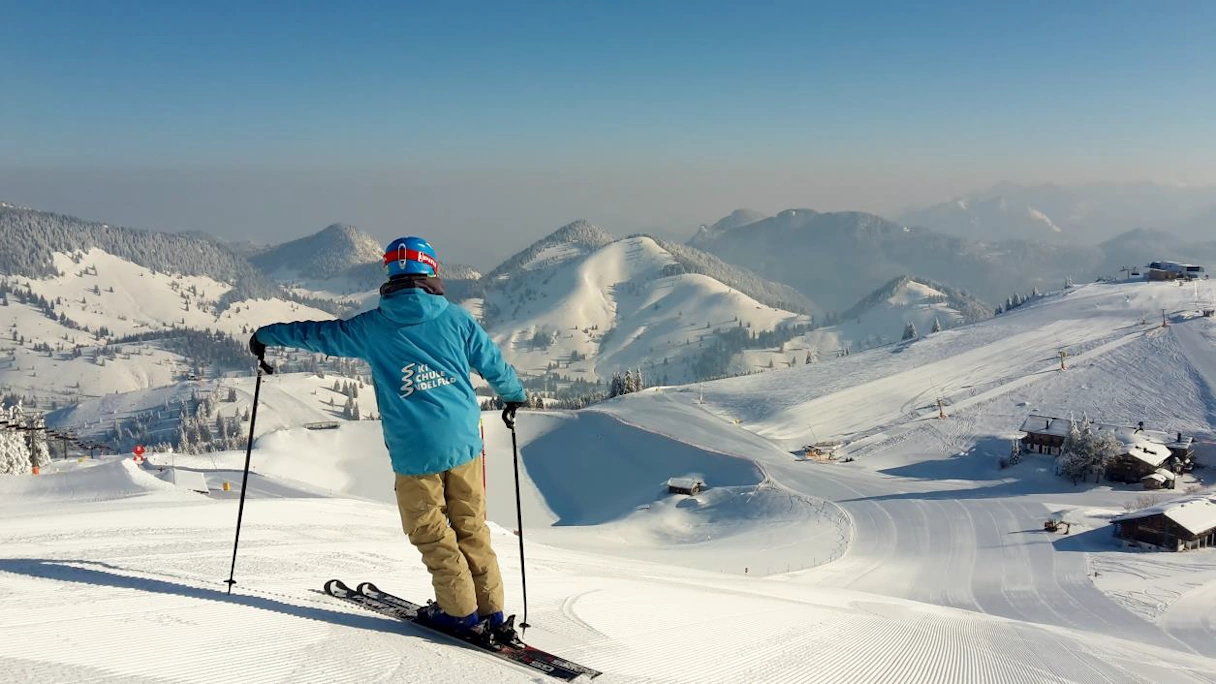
266	367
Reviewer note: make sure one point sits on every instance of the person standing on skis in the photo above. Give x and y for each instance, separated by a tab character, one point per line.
421	350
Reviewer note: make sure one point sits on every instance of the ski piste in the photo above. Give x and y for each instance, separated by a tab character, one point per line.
370	597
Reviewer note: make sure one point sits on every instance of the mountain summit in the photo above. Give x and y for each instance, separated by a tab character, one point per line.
571	241
326	254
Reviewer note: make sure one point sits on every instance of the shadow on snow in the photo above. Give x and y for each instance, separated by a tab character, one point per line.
106	575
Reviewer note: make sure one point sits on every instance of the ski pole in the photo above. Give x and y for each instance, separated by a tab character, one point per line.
253	420
519	526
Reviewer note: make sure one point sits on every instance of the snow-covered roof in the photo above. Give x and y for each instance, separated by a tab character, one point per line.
685	482
1136	445
1048	425
1161	475
1195	513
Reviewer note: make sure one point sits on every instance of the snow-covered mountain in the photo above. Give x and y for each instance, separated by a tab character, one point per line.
737	218
838	258
565	244
32	238
989	219
91	309
331	252
905	305
345	265
1086	213
105	325
1136	248
585	306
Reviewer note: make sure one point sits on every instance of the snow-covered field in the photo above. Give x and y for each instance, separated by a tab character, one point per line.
919	561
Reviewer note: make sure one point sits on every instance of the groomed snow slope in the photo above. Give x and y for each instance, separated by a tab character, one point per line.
136	594
935	519
948	574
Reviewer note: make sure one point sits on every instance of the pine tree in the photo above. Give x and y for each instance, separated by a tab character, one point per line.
14	453
348	411
631	385
1073	461
910	331
617	387
937	326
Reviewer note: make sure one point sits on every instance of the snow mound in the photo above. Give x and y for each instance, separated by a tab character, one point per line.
717	512
105	481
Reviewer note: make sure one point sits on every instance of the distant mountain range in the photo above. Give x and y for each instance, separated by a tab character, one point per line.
837	258
1081	214
746	293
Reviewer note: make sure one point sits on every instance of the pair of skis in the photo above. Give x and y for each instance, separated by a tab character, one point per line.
368	596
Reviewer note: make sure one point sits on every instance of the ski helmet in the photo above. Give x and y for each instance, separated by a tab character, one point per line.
410	256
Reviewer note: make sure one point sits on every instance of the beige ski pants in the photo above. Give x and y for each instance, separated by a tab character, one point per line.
444	516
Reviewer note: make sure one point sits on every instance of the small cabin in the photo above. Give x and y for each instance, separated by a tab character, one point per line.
1140	457
1159	479
1185	523
1044	434
685	485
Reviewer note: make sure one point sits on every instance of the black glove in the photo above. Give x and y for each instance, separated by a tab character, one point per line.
259	350
256	347
508	413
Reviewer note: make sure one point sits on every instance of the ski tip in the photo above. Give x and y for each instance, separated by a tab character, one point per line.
336	585
368	587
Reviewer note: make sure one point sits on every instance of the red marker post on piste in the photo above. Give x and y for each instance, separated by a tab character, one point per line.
139	453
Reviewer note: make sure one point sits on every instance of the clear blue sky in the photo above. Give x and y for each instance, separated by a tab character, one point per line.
713	105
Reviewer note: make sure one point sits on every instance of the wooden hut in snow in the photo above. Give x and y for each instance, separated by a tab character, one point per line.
1185	523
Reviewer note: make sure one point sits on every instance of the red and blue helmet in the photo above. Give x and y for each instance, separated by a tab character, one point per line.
410	256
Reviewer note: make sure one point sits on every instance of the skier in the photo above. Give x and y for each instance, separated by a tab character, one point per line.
421	349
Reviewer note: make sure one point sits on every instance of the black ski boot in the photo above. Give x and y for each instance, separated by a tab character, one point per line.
505	634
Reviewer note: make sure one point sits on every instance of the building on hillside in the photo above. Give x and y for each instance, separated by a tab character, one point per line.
1160	479
685	485
1144	452
1186	523
1170	270
1044	434
1140	457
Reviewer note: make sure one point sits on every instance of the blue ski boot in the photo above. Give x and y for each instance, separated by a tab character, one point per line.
433	615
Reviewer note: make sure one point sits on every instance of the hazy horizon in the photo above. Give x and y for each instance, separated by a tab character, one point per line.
485	128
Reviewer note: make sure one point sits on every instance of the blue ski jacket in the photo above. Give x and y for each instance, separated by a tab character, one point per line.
421	349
